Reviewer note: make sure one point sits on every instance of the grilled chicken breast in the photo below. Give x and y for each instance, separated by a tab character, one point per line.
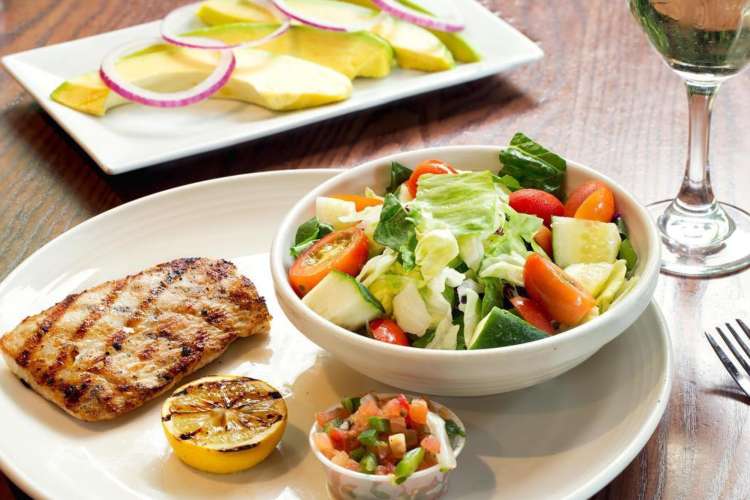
107	350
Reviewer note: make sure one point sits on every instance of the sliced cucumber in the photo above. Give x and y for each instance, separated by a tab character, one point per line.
614	284
330	210
577	241
592	277
502	328
342	300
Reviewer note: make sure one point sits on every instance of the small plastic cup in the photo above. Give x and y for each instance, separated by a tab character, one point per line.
426	484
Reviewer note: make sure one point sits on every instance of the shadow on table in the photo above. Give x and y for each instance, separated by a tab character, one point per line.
332	143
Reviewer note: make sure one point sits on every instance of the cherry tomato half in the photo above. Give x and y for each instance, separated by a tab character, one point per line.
344	250
579	194
427	167
536	202
544	238
600	205
361	202
386	330
533	313
562	298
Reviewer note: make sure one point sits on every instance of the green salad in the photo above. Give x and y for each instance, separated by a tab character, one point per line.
455	259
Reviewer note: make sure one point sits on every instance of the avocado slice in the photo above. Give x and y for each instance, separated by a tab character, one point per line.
458	45
353	54
232	11
276	82
502	328
415	47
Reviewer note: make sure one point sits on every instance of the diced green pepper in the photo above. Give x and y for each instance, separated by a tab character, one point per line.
357	453
368	463
408	465
336	422
351	404
368	437
380	424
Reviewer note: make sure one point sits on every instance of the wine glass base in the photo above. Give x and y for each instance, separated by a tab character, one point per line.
727	256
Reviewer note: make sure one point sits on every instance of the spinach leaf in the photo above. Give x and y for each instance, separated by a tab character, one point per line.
508	181
399	175
533	148
424	339
396	230
308	233
533	166
627	253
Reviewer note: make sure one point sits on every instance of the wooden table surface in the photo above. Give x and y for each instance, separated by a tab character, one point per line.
600	96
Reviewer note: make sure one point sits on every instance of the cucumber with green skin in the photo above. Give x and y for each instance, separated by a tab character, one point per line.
502	328
342	300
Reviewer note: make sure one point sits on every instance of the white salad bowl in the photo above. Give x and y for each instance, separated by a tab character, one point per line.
475	372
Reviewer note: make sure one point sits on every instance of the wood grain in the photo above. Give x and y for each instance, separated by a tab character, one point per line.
601	96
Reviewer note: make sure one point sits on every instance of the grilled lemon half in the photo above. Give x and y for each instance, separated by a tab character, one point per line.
225	423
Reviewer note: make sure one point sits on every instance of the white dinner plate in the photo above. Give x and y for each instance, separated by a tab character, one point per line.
565	438
132	137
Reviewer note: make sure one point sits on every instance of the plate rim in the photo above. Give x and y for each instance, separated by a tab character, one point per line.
111	166
591	487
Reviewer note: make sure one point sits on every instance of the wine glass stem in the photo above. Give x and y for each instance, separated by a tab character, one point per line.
696	195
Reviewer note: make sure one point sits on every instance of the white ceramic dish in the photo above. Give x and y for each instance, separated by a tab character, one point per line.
132	137
427	484
563	439
464	373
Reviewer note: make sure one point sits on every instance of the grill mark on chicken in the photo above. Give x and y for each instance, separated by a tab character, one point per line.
32	343
133	350
97	312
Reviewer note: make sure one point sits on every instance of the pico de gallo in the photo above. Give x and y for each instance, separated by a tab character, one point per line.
387	436
453	259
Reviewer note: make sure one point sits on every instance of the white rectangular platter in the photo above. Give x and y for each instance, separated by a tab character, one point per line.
132	137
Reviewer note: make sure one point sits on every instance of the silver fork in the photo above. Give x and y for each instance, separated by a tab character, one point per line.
742	379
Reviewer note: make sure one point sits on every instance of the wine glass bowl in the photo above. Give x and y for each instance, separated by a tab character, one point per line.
705	42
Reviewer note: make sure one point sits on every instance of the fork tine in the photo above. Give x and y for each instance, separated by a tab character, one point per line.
741	380
739	340
744	327
734	350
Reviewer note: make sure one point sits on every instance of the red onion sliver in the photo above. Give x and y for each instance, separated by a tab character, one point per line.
324	25
208	87
396	9
179	20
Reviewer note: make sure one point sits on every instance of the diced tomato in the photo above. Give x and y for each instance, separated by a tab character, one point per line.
323	417
392	408
361	202
339	438
427	167
345	250
579	194
324	444
536	202
367	408
342	458
398	424
558	293
430	443
411	438
532	312
418	411
404	402
544	238
599	206
386	330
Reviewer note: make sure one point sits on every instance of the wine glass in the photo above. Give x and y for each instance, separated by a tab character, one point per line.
705	42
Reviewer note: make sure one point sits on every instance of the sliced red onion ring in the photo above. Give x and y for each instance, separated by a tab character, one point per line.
401	11
322	24
183	19
208	87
